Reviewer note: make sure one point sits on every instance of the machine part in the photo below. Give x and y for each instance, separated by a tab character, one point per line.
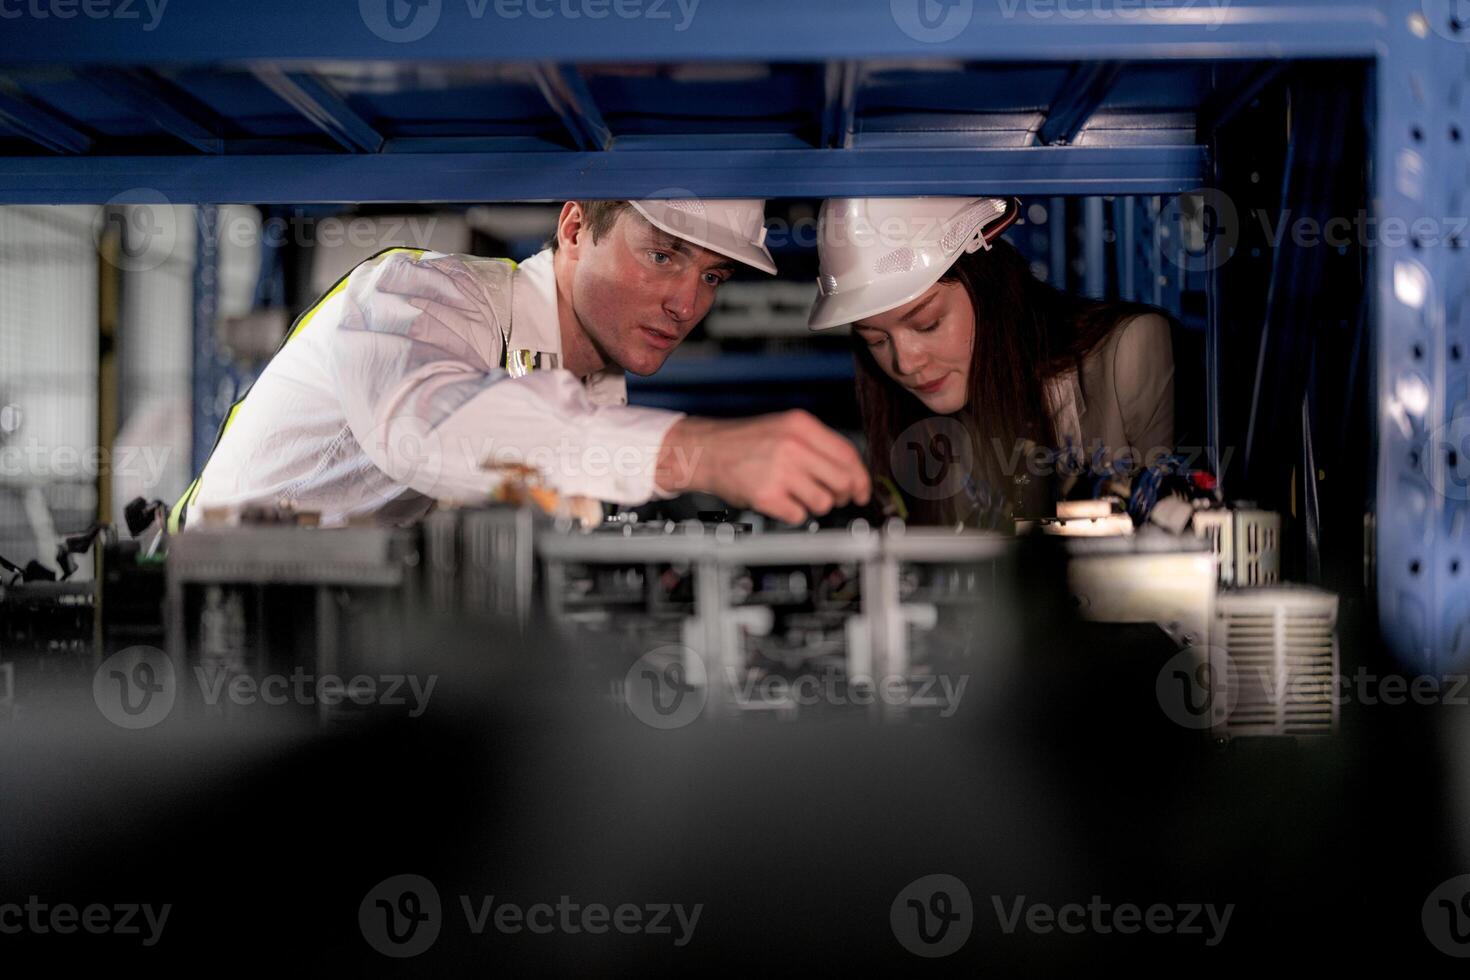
276	598
1172	514
479	562
1136	580
780	603
222	630
47	619
1113	525
1281	652
1079	509
1246	543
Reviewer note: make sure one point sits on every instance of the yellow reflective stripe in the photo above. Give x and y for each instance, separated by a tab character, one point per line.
178	513
306	317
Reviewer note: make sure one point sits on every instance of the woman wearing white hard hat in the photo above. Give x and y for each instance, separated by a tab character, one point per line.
964	357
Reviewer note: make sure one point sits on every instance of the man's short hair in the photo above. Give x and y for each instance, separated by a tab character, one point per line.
599	216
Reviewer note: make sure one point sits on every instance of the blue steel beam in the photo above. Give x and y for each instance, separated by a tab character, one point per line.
41	127
422	177
839	110
1084	90
566	92
326	110
578	31
155	100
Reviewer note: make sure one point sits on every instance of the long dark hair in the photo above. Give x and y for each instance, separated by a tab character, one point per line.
1026	332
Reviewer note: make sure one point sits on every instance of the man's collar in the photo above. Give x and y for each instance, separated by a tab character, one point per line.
536	325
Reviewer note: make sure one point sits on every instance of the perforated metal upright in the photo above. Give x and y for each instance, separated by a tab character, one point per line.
1421	174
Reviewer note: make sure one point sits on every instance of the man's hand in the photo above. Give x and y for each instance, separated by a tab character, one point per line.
787	465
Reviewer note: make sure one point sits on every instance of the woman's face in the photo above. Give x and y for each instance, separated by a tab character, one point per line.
925	345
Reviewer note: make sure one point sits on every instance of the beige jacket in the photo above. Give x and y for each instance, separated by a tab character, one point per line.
1125	396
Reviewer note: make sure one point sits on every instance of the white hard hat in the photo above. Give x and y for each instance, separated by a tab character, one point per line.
878	253
735	228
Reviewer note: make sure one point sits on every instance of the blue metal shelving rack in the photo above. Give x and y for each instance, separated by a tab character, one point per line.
493	100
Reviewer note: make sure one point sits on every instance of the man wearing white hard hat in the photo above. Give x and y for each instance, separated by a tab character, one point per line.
958	345
422	377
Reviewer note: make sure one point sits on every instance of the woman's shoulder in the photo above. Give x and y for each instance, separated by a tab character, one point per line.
1140	329
1143	338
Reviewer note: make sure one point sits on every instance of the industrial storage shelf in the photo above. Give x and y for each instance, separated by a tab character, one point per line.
458	100
280	101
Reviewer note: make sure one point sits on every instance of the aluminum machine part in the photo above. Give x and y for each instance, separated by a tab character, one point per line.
478	562
256	600
1165	580
824	602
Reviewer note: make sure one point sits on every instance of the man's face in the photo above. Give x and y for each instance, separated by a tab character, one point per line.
638	291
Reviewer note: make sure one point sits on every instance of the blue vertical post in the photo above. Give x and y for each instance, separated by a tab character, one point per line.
1059	230
207	359
1420	166
1094	275
1124	247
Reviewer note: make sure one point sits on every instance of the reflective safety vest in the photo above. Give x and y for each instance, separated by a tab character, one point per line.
516	362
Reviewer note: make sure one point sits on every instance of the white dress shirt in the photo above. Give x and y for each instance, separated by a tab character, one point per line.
393	395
